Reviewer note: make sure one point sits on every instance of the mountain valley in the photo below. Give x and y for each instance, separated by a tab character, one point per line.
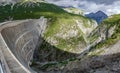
66	42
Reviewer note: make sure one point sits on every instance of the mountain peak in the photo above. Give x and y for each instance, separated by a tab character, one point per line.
99	16
100	12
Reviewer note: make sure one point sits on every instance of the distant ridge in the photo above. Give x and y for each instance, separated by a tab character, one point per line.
98	16
66	6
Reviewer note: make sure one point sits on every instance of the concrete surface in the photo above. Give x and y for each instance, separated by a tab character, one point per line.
18	40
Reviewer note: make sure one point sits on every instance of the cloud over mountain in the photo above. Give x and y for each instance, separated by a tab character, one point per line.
108	6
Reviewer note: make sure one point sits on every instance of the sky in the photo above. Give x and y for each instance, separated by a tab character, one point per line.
110	7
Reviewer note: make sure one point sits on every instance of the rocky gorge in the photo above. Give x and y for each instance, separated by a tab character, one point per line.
63	42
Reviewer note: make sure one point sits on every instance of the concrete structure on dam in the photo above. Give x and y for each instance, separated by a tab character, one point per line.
18	40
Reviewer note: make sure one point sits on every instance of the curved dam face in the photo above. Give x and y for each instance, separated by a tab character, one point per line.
22	39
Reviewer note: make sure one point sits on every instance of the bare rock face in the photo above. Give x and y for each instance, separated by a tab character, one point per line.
104	56
105	62
54	46
96	64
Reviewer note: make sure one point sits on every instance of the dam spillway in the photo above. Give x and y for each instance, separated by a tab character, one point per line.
19	39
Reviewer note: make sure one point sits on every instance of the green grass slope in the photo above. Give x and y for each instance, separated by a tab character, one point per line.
26	10
65	31
62	32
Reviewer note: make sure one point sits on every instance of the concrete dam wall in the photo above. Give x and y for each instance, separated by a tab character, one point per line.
22	39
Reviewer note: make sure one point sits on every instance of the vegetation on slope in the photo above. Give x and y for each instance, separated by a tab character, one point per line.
27	10
113	19
60	22
62	31
108	26
111	22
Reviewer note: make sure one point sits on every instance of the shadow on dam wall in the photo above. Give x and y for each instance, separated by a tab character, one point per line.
25	39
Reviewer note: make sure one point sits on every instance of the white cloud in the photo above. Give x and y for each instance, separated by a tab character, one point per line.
89	6
65	2
114	8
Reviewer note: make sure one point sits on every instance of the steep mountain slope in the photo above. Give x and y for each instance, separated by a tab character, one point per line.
27	10
64	37
104	56
67	36
108	30
110	35
62	26
98	16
